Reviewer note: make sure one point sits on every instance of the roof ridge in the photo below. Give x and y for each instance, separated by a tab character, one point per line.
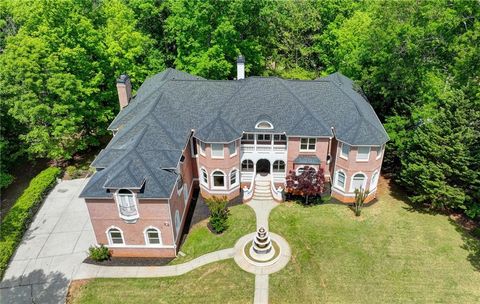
358	109
304	106
148	169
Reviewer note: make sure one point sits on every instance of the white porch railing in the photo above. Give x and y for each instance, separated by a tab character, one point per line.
248	192
276	193
263	148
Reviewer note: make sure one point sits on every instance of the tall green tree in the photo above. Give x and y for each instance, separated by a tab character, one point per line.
209	35
58	72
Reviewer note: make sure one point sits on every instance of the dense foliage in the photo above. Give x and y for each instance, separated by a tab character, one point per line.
218	213
418	63
22	212
310	182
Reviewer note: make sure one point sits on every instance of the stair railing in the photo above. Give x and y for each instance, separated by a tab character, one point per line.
248	192
276	193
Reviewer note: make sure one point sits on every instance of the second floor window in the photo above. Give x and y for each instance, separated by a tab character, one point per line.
127	204
307	144
345	150
232	148
363	153
217	150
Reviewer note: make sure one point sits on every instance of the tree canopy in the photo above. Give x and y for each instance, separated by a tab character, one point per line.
418	63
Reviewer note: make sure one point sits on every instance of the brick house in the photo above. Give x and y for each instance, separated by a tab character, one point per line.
181	132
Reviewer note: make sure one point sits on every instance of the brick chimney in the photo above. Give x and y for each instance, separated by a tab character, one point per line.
124	89
240	67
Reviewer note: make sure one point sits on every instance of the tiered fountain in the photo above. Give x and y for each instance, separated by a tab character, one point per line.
262	249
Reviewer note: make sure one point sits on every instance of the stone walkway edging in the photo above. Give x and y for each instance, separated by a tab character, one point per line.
89	271
285	255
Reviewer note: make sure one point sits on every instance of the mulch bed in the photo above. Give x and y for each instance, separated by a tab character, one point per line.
116	261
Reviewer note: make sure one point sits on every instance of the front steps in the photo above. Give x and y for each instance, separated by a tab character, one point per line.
262	190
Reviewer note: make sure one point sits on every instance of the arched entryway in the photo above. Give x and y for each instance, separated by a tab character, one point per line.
263	166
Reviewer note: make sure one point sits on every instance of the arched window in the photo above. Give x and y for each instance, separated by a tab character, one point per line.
127	205
358	182
264	125
115	236
179	184
178	221
218	179
340	180
153	236
204	177
233	177
279	166
247	165
374	181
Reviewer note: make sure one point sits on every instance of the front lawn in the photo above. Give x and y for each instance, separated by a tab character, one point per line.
201	240
389	254
221	282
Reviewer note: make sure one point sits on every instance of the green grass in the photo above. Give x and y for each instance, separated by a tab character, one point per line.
221	282
389	254
201	241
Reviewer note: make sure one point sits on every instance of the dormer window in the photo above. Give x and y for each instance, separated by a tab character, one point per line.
264	125
127	205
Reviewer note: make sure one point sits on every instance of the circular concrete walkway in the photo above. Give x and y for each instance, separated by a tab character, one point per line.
242	262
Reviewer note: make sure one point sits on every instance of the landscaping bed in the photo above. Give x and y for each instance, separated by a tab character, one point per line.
16	221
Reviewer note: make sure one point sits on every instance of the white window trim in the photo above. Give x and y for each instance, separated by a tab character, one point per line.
372	186
364	181
301	167
237	177
202	151
284	166
217	157
109	238
179	191
147	241
236	148
253	165
186	193
341	151
201	177
117	201
257	126
336	185
224	187
177	227
368	155
308	144
380	154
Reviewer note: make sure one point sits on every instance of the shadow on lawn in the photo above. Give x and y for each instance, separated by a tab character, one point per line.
470	243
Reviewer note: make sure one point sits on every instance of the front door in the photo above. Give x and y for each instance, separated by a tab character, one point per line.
263	166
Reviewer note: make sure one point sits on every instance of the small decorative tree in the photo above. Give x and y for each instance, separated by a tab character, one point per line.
218	213
310	182
360	196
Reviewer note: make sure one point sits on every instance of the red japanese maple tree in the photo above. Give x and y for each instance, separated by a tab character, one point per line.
309	182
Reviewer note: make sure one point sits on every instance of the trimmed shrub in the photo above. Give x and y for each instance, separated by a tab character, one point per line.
99	253
218	213
20	215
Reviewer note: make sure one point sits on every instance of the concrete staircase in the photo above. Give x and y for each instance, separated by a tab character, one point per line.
262	190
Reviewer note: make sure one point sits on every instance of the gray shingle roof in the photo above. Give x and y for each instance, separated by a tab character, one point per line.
307	160
154	128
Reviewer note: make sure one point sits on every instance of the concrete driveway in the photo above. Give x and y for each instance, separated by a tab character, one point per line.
51	250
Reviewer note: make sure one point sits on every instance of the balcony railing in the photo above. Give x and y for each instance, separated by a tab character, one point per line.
263	148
